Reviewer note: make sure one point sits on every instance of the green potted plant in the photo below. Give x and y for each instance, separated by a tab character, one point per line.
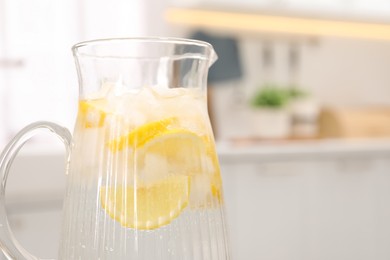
271	117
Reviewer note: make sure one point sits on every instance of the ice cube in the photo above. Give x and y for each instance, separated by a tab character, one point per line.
165	92
153	168
200	190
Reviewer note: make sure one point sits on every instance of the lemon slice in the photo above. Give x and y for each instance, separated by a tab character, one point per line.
141	135
179	151
216	187
216	180
146	207
93	112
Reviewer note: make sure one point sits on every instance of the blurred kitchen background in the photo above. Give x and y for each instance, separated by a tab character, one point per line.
299	101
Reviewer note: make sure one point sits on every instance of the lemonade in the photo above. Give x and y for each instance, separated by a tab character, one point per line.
145	174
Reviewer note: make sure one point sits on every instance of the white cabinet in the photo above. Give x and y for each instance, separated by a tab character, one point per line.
303	208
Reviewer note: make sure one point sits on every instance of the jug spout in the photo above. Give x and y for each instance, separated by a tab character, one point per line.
213	57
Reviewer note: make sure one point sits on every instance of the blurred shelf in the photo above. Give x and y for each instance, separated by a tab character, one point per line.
277	24
249	151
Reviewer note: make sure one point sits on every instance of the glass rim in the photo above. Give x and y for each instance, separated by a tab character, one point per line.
77	48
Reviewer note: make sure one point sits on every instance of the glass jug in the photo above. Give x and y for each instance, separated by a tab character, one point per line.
143	179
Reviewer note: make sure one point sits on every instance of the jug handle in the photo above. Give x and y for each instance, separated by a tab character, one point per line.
8	244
